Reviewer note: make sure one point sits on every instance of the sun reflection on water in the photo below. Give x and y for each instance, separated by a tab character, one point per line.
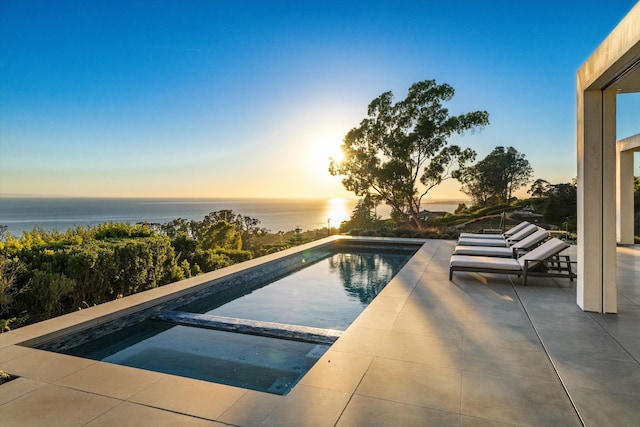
338	210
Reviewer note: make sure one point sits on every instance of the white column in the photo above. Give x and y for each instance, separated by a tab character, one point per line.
609	259
596	283
624	186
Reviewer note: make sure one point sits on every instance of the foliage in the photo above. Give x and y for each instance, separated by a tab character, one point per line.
297	238
47	273
363	215
120	230
45	292
494	179
5	377
223	235
558	203
539	188
402	146
9	271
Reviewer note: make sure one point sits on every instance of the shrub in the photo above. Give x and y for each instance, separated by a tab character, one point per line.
45	292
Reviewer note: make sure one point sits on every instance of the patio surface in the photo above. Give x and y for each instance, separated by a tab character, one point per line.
480	350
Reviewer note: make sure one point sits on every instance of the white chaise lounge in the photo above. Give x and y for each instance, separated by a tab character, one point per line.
526	244
545	260
513	230
504	243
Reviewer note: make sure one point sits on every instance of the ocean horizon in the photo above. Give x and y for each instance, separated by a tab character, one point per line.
24	213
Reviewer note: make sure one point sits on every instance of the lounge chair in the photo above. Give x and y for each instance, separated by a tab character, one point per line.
545	260
526	244
513	230
504	243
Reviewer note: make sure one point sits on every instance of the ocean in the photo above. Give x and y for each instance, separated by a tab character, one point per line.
59	213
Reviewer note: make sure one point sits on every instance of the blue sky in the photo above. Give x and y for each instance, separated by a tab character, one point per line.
249	98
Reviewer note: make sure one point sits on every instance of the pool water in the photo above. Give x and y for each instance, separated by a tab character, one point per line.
330	293
327	294
254	362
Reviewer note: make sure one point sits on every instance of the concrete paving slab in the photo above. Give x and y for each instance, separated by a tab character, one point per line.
338	371
358	340
376	319
11	338
606	409
605	375
371	412
191	397
16	388
251	409
500	335
438	351
120	382
597	345
45	366
512	400
51	406
11	352
523	363
308	406
428	386
467	421
435	323
128	414
388	303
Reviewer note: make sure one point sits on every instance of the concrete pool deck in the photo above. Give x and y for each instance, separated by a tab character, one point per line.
480	350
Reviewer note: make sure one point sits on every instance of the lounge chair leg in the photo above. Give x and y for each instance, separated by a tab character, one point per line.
450	273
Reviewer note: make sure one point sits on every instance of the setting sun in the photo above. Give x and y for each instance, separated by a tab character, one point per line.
323	148
338	210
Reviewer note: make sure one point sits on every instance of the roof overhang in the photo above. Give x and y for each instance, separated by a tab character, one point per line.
616	62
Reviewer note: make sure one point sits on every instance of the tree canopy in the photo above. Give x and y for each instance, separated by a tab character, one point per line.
401	151
493	179
557	202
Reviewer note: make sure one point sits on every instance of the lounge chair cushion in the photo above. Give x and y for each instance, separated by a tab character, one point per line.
527	243
526	231
506	234
485	262
482	242
483	251
481	236
542	252
533	239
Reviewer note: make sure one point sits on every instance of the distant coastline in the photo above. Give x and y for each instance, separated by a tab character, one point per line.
24	213
177	198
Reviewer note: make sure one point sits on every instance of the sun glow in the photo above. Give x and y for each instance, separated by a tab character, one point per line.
338	210
323	148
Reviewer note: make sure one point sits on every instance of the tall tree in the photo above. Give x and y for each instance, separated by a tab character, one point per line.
401	151
539	188
494	179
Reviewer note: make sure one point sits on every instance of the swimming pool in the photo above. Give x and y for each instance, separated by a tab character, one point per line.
286	319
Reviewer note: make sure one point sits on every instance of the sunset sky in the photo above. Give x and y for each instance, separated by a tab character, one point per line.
198	98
